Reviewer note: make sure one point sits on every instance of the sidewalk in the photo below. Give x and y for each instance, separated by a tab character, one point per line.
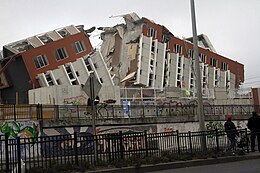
180	164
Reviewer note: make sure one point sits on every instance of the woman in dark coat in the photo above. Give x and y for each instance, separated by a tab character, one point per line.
232	132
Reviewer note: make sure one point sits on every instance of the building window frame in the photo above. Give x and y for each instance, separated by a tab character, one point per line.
213	62
152	32
224	66
190	53
203	57
49	79
40	61
178	48
79	47
61	53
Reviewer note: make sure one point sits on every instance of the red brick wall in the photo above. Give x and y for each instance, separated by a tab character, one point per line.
49	50
234	67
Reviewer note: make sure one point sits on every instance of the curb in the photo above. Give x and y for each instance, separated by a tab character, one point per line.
179	164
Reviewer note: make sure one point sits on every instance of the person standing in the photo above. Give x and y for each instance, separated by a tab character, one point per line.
254	127
232	132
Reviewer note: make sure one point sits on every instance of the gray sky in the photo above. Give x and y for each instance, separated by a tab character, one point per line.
233	26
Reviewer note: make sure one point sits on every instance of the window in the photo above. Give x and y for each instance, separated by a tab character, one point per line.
64	33
164	38
152	32
45	38
153	46
178	77
88	64
179	61
61	53
190	53
78	47
151	62
178	48
40	61
191	81
150	80
213	62
202	57
49	79
58	81
224	66
71	75
69	72
95	65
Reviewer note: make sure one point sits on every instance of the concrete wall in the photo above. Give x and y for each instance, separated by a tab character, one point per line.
56	94
69	94
150	128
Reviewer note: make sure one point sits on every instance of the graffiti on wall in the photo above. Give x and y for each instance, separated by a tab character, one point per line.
130	142
28	129
213	125
77	100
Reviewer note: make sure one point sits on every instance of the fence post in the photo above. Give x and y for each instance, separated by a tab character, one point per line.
38	111
217	142
6	153
14	113
143	110
247	141
190	142
57	112
169	112
18	144
113	111
146	143
109	147
77	107
121	145
178	142
156	109
76	148
41	110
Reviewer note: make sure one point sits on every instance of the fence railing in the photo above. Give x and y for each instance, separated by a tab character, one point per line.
37	112
22	154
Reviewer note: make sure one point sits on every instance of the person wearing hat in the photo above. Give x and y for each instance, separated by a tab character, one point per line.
232	133
254	127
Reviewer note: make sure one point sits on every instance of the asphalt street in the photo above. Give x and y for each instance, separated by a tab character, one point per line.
246	166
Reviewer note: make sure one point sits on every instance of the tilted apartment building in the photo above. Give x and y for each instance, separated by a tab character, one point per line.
142	53
60	57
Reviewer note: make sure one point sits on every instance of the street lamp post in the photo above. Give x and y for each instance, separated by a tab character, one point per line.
198	75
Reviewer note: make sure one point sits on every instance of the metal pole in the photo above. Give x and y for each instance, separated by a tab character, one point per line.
93	112
198	75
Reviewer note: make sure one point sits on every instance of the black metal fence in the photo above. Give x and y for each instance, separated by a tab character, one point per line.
24	154
36	112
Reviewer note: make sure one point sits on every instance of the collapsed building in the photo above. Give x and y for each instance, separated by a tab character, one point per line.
51	67
143	54
138	61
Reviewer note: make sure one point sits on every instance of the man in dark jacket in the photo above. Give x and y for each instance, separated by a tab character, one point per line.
232	132
254	126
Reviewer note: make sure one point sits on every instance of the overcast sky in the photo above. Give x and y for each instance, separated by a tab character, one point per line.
233	26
